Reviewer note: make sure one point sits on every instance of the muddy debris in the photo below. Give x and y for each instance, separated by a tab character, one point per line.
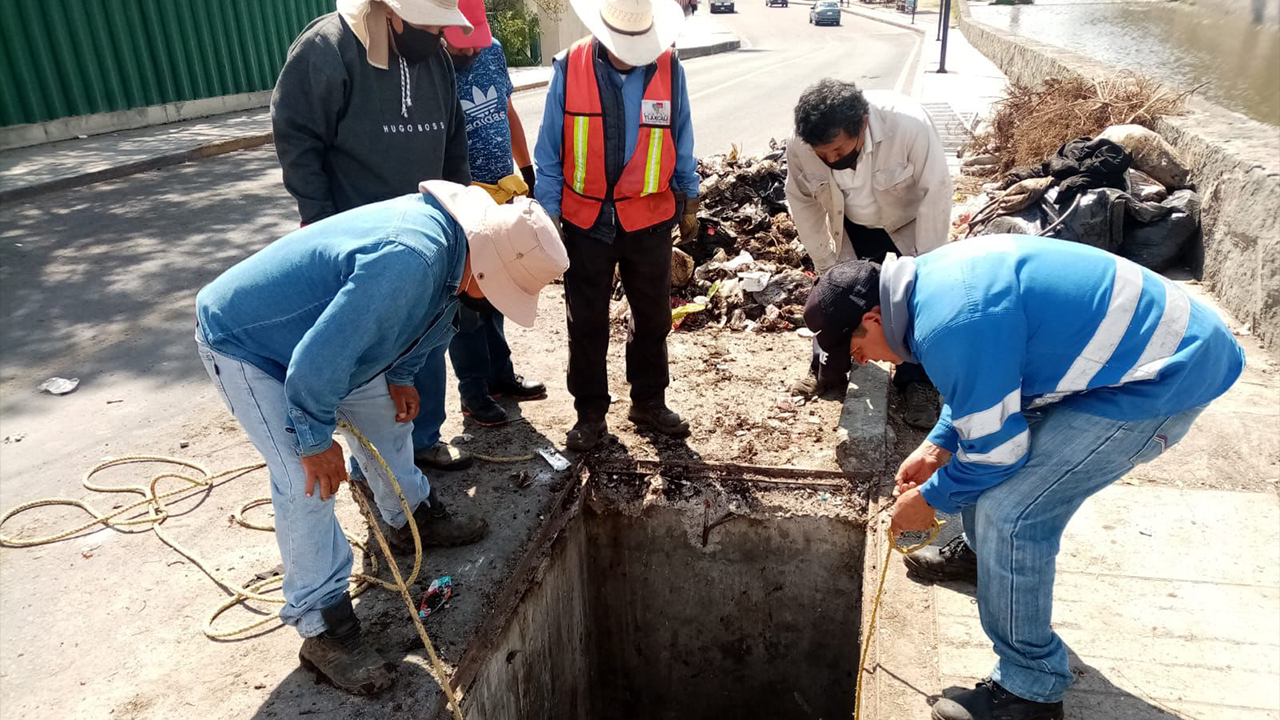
746	269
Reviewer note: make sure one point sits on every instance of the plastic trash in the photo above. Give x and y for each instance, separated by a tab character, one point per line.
59	386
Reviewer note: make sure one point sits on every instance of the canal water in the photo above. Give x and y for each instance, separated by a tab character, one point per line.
1180	44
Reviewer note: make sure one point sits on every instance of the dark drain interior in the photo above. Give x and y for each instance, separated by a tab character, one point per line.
669	595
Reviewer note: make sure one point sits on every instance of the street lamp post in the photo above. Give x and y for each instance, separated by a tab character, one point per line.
946	25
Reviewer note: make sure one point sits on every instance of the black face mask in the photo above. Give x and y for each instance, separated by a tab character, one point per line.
414	44
474	304
463	62
848	162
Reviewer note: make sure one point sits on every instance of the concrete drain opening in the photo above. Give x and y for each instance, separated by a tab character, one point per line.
686	591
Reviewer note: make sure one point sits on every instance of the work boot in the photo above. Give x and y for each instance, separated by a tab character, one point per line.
437	527
586	434
922	406
485	411
341	656
657	416
443	456
808	386
953	562
518	388
989	701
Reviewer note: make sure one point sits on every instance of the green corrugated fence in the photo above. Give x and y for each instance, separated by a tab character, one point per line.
61	58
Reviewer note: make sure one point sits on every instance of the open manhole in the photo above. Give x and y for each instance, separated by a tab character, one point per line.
695	592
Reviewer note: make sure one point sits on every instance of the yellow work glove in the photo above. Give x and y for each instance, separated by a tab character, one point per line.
689	220
507	188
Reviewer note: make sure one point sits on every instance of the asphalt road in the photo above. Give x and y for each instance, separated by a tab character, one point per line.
747	97
97	283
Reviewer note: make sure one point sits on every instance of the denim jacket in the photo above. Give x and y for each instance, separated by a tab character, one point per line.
330	307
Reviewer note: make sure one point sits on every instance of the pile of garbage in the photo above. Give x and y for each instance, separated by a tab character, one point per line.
1125	191
746	268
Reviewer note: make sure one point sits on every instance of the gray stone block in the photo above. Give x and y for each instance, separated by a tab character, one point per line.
861	439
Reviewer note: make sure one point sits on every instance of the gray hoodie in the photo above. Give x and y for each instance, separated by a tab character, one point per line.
348	133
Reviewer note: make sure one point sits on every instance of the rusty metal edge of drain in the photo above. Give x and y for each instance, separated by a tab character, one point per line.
732	472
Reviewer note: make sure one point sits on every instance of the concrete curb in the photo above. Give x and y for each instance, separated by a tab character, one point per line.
530	85
862	439
155	162
714	49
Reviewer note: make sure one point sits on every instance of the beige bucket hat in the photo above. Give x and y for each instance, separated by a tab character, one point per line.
637	31
515	248
368	20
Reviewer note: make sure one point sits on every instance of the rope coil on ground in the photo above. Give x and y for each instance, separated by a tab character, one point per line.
153	502
875	605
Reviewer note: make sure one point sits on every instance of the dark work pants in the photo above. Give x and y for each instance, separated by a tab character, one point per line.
480	353
643	259
870	244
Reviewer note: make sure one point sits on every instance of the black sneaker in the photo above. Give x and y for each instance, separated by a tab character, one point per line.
342	657
518	388
485	411
953	562
657	416
922	406
989	701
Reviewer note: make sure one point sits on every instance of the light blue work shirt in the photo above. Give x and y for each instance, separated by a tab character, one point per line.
329	307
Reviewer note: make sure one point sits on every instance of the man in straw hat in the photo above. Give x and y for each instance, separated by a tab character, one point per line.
1063	367
366	108
614	161
331	323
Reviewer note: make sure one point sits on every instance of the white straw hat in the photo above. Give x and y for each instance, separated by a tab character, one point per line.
637	31
515	248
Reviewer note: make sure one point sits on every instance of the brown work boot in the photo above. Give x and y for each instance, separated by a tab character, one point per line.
438	527
586	434
342	657
657	416
443	456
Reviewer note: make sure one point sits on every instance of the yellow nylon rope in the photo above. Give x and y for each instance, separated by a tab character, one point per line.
875	604
157	512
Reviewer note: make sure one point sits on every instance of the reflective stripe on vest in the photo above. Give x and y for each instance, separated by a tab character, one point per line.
642	194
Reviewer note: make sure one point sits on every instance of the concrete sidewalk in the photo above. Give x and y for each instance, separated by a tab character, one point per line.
31	171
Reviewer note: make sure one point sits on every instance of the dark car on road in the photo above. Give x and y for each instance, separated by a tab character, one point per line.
721	6
771	3
824	12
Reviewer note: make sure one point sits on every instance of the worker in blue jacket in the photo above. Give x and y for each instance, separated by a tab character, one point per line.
1062	367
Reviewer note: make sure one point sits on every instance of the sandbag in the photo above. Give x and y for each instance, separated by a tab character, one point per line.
1151	154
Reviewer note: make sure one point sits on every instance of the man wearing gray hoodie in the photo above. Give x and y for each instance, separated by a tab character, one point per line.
366	107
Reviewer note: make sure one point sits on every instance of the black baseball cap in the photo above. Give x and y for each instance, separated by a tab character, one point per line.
837	302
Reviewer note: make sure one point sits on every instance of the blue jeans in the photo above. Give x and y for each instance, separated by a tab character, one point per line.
480	353
429	382
1016	527
317	558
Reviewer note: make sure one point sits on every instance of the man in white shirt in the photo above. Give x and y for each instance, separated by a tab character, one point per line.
867	176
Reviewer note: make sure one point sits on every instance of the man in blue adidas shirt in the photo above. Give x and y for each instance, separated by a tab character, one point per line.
479	351
1062	367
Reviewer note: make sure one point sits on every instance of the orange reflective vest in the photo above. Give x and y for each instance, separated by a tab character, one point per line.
642	196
